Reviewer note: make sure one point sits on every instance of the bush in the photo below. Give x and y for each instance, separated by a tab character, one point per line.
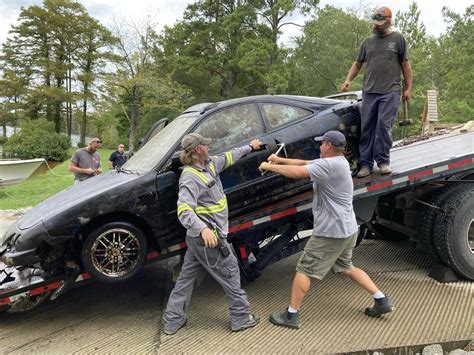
3	140
37	139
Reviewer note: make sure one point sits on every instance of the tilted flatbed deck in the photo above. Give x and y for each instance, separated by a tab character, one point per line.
418	163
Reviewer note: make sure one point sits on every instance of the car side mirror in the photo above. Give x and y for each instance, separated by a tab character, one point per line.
175	161
172	164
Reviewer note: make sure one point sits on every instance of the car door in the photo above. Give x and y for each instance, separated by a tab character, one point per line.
295	126
235	126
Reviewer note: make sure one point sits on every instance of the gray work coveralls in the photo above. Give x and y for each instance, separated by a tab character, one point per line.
202	203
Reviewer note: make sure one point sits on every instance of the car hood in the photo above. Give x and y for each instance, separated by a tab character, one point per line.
76	194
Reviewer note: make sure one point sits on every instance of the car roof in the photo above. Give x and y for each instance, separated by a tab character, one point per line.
295	99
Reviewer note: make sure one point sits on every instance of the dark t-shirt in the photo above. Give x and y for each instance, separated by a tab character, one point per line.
382	57
117	159
84	159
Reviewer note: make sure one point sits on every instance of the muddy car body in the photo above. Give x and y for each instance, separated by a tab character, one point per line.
107	224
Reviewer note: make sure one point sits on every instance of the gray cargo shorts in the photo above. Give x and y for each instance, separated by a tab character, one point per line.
321	255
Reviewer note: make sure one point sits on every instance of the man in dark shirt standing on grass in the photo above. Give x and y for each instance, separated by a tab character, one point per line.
117	158
85	162
386	57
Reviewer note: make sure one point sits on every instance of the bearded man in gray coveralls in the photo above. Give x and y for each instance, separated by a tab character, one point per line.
202	210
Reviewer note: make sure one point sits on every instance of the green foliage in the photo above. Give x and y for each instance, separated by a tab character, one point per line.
326	51
37	139
56	57
454	55
52	58
43	184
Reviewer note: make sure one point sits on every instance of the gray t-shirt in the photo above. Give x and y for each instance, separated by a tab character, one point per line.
333	188
382	57
84	159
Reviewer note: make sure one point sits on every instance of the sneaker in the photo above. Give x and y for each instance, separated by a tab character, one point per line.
385	169
381	306
286	319
363	172
172	331
252	322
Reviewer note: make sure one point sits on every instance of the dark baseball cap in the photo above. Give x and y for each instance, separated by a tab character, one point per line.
381	14
336	138
192	140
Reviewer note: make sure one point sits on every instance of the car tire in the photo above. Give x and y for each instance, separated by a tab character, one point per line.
454	230
114	252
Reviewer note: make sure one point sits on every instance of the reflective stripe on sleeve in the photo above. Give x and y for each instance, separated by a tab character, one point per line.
229	159
211	166
183	207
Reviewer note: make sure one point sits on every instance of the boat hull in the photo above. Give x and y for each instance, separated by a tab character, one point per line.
13	172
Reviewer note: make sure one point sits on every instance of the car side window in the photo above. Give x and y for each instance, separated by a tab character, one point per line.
232	125
279	114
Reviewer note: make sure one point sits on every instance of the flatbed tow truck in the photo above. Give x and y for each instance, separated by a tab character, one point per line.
428	198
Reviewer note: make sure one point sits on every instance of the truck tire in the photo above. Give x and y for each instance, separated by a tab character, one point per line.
454	232
426	218
114	252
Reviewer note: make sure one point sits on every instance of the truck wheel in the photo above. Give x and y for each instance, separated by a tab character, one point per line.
114	252
454	232
426	218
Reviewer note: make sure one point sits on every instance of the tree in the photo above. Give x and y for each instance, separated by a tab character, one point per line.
49	47
425	74
411	27
91	60
133	48
215	49
325	52
454	57
274	14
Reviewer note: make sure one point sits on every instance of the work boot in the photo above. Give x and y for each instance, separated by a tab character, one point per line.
286	319
363	172
172	330
252	322
385	169
381	306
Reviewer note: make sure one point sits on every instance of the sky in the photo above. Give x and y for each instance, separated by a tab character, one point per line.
167	12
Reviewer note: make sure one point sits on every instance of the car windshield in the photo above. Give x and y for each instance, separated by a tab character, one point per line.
156	148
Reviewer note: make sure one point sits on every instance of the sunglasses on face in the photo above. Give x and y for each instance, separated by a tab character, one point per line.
378	17
100	142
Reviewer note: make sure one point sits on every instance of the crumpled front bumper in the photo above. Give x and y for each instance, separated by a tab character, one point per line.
13	278
18	247
25	257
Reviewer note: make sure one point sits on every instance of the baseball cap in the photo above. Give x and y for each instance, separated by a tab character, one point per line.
381	14
192	140
336	138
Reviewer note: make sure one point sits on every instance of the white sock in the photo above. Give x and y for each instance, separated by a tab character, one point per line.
378	294
292	310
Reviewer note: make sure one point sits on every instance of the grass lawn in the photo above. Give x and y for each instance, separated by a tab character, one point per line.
43	184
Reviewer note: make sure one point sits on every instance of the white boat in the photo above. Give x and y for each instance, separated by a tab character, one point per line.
13	172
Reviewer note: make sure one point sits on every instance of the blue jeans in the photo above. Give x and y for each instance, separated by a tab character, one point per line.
378	114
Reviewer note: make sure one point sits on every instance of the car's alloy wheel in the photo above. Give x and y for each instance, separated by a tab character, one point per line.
114	252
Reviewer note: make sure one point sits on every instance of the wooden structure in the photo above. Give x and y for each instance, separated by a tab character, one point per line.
430	112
